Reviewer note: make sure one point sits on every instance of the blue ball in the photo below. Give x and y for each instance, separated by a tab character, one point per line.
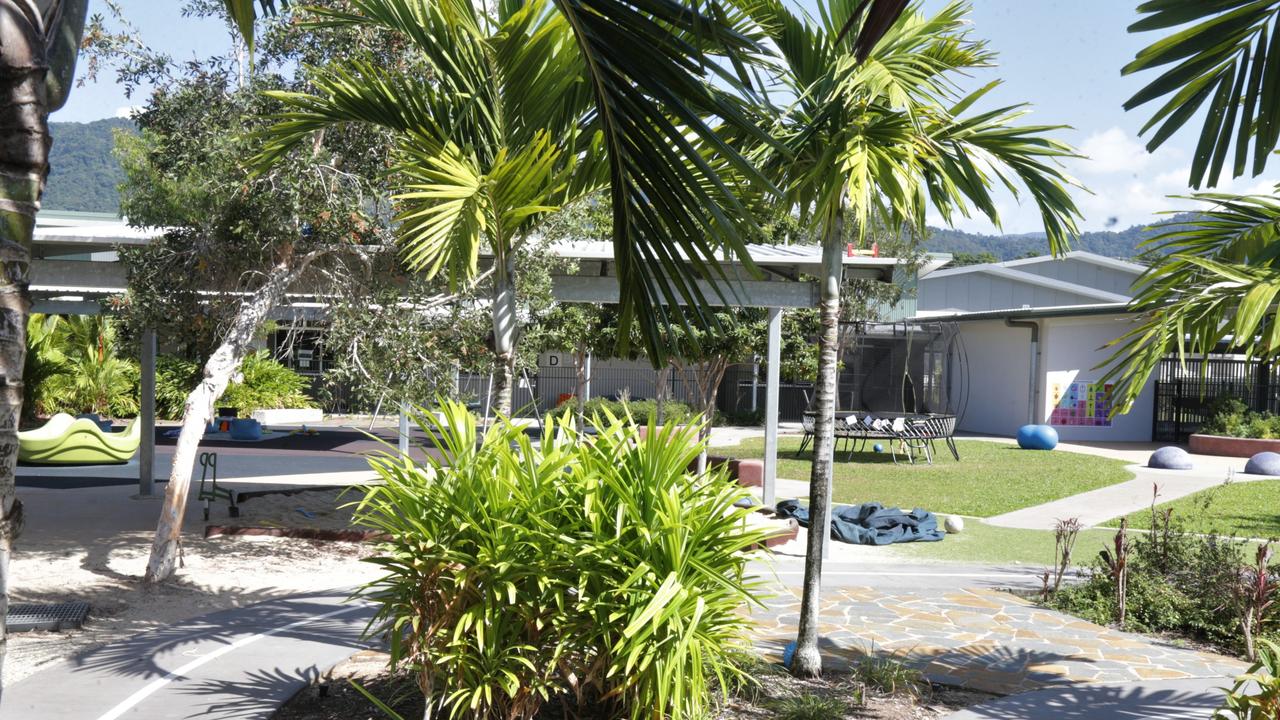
878	447
788	654
1037	437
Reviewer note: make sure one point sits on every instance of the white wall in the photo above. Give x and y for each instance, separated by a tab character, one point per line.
1073	347
998	366
980	292
1083	272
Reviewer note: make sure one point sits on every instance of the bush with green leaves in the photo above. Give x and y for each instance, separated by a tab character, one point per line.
74	366
641	411
1256	694
1230	417
594	571
175	379
1177	581
265	384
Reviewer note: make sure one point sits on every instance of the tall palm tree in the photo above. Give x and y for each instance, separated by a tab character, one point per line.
491	119
878	141
526	106
1218	282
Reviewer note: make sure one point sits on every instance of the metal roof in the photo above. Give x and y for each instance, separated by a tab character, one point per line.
1115	308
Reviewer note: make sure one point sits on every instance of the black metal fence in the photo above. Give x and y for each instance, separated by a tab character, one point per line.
1184	398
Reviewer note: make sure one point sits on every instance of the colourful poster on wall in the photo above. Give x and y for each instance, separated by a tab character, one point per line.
1081	404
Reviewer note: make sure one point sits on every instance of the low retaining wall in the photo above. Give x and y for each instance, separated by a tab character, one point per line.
1230	446
293	416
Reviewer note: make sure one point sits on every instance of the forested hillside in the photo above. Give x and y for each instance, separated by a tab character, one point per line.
1113	243
83	175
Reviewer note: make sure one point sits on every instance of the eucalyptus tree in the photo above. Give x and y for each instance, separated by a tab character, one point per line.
875	142
1217	277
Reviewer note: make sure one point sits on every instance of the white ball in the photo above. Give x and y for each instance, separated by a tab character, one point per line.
954	524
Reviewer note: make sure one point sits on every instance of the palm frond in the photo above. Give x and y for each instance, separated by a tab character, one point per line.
1215	290
1227	53
245	13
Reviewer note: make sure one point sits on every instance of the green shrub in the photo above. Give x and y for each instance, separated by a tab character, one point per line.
266	384
891	676
1256	694
600	573
175	379
642	411
1232	418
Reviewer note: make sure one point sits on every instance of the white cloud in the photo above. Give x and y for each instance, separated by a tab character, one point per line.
1112	151
127	111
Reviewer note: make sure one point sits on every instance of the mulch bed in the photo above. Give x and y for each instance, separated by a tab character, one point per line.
335	699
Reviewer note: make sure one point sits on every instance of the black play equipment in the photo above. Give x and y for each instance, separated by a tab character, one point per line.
211	492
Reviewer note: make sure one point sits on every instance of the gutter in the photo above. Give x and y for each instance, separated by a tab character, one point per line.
1033	384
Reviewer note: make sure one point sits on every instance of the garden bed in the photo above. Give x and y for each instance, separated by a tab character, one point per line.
1231	446
836	692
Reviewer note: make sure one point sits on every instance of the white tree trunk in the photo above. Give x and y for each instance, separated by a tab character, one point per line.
226	359
504	338
807	661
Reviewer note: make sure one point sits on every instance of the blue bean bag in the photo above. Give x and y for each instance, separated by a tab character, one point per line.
1264	463
1170	458
246	429
1037	437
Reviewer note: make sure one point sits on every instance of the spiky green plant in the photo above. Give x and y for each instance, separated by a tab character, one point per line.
598	570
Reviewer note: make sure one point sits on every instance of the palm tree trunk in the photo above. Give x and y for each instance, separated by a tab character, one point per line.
167	545
24	165
504	337
807	661
580	392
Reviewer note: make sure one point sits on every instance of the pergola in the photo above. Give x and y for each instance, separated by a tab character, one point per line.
75	266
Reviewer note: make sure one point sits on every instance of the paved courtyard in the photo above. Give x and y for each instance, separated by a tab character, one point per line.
983	639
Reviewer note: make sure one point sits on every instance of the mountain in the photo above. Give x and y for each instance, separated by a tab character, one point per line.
1112	243
83	174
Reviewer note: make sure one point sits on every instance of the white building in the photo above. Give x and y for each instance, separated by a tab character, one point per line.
1033	338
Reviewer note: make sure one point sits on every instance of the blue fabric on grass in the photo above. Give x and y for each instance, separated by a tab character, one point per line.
871	523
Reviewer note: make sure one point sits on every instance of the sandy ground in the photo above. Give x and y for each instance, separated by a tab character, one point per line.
92	544
327	509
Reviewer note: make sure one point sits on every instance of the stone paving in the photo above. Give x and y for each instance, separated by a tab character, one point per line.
981	639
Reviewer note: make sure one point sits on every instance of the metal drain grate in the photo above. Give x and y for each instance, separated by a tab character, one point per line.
61	616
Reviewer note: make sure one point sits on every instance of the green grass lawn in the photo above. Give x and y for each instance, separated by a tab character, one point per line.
983	543
1246	509
991	478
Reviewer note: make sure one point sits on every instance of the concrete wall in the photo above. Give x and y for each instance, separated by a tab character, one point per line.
1084	273
1073	348
978	292
998	363
997	367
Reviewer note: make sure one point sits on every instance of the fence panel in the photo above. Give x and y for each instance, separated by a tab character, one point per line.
1185	397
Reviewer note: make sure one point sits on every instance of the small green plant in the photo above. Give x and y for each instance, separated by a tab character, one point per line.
810	707
891	676
175	379
600	572
1232	418
265	384
641	411
1256	694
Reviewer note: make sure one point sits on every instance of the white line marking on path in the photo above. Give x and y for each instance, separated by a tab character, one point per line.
155	685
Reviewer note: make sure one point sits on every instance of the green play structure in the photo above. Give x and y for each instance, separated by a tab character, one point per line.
66	440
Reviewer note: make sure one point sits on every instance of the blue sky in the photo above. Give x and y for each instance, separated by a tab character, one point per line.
1062	57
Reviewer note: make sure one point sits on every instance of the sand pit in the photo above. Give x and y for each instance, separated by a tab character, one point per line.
93	545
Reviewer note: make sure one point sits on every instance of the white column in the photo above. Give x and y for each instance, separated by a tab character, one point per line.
586	379
402	439
773	360
147	416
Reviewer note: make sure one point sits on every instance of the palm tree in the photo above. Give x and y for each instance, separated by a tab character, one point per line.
1217	284
491	138
91	375
874	143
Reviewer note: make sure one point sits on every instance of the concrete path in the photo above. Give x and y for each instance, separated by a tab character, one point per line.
232	665
982	639
1098	506
1166	699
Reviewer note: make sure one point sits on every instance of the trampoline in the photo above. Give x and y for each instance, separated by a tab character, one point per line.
902	382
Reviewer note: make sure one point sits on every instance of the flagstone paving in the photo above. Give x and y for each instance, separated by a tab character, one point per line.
982	639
